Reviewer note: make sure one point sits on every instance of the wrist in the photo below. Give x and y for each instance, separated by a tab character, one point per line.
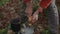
40	9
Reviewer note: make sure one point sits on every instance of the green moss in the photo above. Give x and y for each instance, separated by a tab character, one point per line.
3	31
3	2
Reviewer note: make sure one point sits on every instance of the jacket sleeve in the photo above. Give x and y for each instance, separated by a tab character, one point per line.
45	3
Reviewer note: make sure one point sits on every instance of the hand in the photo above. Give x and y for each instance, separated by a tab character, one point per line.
35	17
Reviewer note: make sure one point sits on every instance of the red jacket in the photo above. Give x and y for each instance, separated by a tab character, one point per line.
43	3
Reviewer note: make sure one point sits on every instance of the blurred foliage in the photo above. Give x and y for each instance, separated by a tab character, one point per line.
2	2
1	15
58	5
35	7
3	31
